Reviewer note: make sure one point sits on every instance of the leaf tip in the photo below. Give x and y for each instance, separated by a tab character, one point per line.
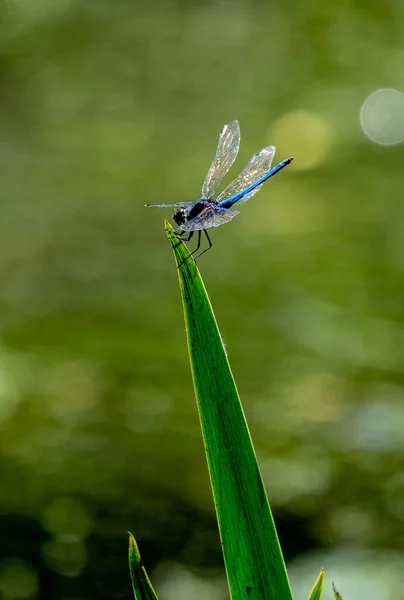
317	590
336	592
172	238
133	548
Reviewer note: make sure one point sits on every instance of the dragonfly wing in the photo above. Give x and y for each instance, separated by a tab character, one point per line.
172	204
256	168
211	216
226	152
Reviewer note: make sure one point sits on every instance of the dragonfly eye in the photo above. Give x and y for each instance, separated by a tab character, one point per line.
180	216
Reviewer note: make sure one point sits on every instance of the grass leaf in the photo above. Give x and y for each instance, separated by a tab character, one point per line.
252	554
336	593
142	588
318	587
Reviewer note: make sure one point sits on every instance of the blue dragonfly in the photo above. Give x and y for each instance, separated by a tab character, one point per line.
208	211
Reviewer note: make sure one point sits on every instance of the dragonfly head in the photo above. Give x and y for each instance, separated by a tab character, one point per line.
180	216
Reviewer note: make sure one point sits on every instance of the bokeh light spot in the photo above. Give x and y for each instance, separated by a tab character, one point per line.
9	389
174	582
17	580
305	136
67	516
382	116
65	556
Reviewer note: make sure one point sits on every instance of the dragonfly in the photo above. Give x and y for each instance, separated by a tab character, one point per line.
210	211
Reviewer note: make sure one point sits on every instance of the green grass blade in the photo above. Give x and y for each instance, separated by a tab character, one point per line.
142	588
336	593
253	558
318	587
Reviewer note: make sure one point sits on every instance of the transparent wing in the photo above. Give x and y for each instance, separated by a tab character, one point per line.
256	168
211	216
172	204
226	152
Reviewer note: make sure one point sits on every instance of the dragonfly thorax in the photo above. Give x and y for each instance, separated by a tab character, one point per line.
183	215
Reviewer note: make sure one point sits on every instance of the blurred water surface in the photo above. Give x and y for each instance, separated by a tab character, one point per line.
106	106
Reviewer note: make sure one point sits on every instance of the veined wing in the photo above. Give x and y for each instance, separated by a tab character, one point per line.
173	204
256	168
211	216
226	152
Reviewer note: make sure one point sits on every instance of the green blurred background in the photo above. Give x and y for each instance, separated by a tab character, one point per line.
105	106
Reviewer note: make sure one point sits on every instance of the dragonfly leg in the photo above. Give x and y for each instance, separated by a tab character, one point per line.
198	244
206	249
185	239
191	233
